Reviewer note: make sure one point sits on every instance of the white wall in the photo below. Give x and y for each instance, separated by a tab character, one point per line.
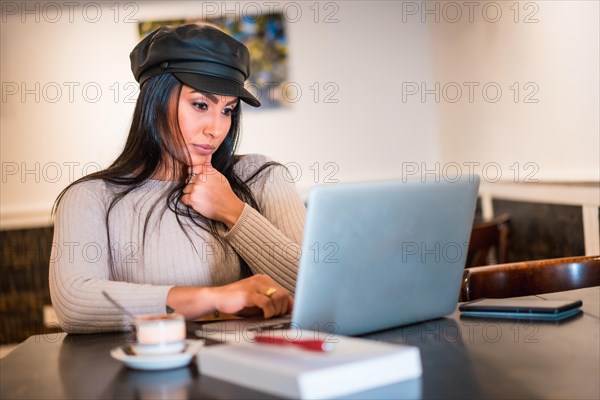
553	47
365	135
375	53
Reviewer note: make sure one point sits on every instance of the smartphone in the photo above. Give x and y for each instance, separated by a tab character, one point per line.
540	309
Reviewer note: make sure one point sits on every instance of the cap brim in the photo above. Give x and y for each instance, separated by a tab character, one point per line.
217	85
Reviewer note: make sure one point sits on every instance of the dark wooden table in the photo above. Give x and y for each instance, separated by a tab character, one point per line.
462	358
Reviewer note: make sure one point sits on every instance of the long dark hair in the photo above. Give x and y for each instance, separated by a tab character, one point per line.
155	142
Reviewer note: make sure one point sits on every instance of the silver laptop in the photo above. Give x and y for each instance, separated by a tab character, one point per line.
378	255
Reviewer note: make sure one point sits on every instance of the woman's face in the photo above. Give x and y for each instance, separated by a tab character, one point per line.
204	120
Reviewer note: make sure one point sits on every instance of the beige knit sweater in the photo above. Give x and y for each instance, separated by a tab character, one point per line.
143	273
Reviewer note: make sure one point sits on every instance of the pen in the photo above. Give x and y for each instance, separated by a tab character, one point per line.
311	345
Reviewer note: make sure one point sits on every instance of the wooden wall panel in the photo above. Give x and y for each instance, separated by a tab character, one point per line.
539	231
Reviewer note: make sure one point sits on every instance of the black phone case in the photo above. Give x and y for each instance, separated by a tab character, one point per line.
521	306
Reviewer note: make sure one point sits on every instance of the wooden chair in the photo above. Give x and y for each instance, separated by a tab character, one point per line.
530	277
488	242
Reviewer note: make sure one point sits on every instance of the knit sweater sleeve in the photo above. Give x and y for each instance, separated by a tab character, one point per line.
80	271
269	240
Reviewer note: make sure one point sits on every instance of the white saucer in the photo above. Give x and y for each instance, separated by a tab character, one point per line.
159	348
159	361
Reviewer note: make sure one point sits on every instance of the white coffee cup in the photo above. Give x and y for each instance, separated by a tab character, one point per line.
159	334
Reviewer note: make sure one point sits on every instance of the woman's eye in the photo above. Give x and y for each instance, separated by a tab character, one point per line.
228	111
200	105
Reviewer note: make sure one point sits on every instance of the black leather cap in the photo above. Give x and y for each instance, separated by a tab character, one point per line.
200	56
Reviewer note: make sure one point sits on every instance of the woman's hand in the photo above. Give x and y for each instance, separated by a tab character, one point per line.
252	295
210	194
246	297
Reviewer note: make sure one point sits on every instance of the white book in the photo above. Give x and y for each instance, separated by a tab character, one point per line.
352	365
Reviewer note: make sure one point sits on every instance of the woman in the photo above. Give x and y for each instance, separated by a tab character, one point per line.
178	222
